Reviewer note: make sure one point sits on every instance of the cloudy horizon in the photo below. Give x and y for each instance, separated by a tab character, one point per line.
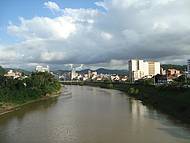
104	33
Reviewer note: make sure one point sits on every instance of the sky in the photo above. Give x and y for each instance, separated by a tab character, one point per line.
93	33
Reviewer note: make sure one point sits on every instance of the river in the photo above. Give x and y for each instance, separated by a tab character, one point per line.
90	115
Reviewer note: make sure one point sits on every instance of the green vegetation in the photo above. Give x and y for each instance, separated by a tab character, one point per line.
178	67
182	80
18	91
2	71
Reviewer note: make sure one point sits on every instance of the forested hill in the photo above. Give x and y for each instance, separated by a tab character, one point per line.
2	70
178	67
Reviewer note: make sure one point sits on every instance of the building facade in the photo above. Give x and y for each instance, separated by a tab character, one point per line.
42	69
139	69
153	68
74	74
188	68
173	73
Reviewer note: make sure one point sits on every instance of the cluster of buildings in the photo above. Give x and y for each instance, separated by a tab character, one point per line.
13	74
140	69
19	75
90	76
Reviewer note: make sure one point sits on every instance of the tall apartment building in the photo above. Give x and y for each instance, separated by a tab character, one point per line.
153	68
188	68
74	74
139	69
42	69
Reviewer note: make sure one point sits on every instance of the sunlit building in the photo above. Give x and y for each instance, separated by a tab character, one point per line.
74	74
13	74
153	68
42	69
139	69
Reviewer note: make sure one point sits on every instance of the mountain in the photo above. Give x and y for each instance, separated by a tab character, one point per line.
2	70
99	71
60	72
18	70
108	71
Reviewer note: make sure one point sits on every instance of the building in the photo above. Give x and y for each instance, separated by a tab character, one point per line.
74	74
173	73
188	68
153	68
160	79
13	74
162	71
139	69
42	69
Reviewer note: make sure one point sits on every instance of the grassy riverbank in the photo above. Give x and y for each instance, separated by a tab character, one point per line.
174	101
10	107
15	93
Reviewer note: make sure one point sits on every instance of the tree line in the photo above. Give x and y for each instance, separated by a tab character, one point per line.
21	90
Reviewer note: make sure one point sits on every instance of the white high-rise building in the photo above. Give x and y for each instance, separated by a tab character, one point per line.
42	69
139	69
188	68
74	74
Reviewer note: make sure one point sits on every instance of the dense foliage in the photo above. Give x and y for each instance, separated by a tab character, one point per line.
2	71
178	67
22	90
183	80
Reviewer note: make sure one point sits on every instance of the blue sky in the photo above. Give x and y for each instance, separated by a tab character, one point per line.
11	10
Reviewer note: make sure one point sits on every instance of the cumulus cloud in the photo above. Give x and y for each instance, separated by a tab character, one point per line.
43	28
148	29
52	6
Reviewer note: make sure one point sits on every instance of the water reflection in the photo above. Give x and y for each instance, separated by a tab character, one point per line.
140	113
90	115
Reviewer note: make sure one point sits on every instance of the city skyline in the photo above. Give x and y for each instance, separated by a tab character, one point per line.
93	34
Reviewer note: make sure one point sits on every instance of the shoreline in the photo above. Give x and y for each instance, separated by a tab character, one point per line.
14	107
171	101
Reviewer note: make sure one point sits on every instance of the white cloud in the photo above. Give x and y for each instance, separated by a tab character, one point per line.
150	29
106	36
43	28
101	4
160	26
52	6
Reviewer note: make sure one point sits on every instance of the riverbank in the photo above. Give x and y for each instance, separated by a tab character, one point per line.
173	101
11	107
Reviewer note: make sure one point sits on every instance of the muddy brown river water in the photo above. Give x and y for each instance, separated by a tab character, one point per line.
90	115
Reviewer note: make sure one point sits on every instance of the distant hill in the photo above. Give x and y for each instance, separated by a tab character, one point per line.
178	67
60	72
2	70
108	71
99	71
19	70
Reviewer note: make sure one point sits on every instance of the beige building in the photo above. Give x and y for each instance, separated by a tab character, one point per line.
173	73
13	74
153	68
139	69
